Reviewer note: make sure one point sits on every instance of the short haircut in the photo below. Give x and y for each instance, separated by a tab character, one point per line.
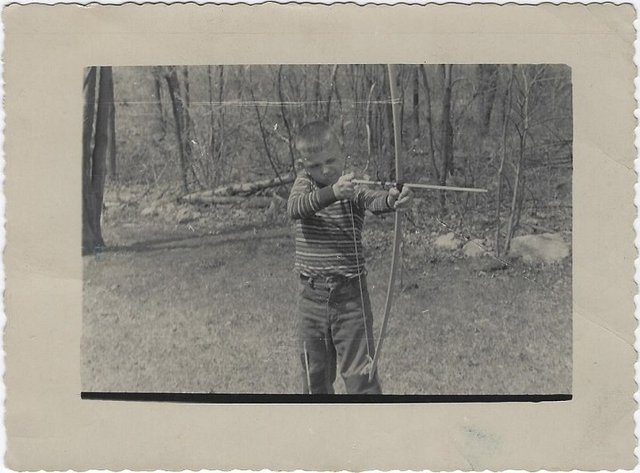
314	137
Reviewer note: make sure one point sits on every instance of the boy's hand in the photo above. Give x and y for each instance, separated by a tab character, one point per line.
400	200
344	188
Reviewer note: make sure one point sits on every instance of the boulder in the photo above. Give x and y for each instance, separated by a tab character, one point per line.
186	215
540	248
474	248
168	211
150	211
447	242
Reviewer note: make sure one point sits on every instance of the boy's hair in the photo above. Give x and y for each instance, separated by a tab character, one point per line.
314	137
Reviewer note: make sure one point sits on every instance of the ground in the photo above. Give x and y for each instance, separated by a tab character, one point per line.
209	306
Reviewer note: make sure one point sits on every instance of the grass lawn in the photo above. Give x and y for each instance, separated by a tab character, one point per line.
181	309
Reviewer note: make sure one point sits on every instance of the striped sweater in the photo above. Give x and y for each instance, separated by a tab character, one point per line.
324	227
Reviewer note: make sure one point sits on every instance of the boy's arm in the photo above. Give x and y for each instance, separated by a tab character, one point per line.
375	201
304	201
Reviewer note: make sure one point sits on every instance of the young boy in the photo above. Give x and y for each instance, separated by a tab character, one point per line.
334	313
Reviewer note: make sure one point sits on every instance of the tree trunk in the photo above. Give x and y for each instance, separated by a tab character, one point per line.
516	199
263	133
432	147
503	152
188	140
285	120
388	131
447	133
416	103
332	86
221	118
489	75
94	157
368	123
211	172
178	115
162	115
111	153
316	94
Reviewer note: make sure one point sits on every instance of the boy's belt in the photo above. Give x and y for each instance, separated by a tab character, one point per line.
330	282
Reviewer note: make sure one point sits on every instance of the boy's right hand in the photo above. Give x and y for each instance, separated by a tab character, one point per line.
344	188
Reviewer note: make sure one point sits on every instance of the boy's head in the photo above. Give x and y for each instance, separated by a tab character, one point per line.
319	151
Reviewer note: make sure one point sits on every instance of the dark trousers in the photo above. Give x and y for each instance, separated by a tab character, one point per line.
335	333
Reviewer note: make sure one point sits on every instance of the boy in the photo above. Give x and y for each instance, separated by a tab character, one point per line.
334	312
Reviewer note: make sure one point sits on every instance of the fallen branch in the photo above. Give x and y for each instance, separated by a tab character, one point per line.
233	193
253	202
239	189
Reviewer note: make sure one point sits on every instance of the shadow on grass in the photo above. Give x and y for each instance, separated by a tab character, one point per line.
199	240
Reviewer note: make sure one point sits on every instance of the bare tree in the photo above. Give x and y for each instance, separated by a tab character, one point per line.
162	114
522	128
97	133
416	102
432	150
263	133
487	88
332	88
180	103
285	120
503	157
447	132
216	126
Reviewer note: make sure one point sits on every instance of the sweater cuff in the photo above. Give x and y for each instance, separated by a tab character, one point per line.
326	196
386	201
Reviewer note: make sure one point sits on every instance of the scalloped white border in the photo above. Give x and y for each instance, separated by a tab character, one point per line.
636	224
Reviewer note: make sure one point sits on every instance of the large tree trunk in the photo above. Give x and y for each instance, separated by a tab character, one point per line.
162	115
95	148
178	105
111	148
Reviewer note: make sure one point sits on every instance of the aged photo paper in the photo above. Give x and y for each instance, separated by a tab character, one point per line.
61	345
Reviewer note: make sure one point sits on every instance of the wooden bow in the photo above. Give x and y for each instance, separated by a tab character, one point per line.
397	232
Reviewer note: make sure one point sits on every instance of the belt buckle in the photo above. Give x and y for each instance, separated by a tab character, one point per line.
331	282
335	282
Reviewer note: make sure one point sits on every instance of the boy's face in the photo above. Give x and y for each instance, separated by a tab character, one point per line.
325	166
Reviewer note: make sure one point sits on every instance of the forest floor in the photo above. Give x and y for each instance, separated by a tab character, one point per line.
209	306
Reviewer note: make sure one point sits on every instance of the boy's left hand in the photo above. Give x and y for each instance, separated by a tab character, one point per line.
400	200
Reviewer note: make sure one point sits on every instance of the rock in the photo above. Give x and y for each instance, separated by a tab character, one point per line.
474	248
168	211
150	211
539	248
447	242
239	214
488	264
186	215
127	196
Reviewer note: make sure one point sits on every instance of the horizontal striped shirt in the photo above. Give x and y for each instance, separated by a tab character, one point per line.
328	231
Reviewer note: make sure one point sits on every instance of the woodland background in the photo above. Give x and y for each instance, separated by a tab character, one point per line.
173	242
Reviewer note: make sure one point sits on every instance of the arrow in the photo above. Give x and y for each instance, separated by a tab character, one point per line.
420	186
